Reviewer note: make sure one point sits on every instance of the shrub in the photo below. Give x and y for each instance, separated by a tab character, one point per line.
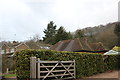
86	63
7	62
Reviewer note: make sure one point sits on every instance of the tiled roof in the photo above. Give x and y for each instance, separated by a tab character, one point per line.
77	45
11	45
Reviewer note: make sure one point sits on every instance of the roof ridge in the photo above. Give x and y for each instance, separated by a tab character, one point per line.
79	43
88	45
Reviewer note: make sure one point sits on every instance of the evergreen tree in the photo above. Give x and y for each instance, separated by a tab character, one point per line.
70	36
49	33
62	35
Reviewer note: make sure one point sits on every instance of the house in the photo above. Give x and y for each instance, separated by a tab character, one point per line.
19	46
6	48
78	45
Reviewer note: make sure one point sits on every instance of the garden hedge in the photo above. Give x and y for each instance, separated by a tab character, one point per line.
86	63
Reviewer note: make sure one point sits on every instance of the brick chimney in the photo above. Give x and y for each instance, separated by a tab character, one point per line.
14	43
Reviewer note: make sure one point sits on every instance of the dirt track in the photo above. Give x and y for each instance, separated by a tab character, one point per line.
110	74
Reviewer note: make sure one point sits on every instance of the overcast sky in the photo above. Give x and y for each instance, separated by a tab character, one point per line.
21	19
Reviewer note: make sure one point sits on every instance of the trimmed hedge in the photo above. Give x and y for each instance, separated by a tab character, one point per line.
86	63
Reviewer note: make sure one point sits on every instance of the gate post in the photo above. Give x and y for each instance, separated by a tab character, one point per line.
33	67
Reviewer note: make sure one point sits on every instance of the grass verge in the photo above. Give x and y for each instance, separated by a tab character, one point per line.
9	75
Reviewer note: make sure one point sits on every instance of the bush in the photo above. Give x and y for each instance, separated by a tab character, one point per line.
86	63
7	62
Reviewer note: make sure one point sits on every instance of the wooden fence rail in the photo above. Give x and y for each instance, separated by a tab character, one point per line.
43	70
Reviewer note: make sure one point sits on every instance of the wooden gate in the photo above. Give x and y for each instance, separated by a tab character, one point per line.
52	69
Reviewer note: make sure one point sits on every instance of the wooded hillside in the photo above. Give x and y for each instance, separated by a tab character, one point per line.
102	33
